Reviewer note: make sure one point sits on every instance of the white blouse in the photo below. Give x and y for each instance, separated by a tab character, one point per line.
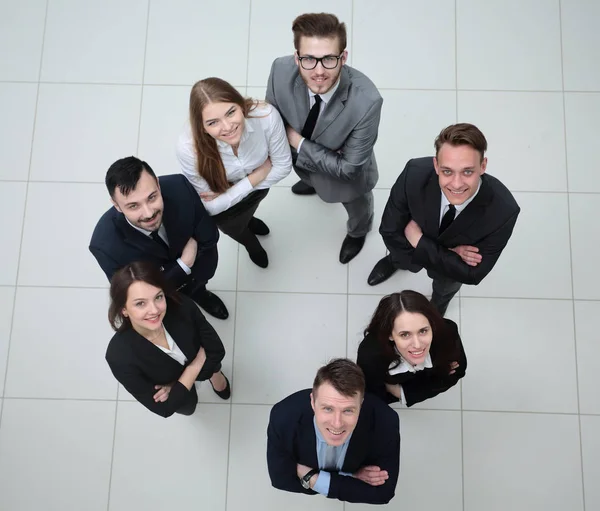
264	136
174	351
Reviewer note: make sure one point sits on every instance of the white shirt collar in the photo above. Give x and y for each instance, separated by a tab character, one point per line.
328	95
405	367
161	230
459	207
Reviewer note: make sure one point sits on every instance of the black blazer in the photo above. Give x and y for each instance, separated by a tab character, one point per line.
115	243
417	386
375	441
487	223
139	365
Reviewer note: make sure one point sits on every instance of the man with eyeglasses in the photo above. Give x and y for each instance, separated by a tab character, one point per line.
332	114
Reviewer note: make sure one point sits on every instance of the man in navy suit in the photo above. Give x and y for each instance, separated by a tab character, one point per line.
160	220
336	440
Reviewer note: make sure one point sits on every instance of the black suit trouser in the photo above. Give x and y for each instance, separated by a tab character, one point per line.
234	221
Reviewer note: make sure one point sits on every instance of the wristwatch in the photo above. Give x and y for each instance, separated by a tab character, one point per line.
305	481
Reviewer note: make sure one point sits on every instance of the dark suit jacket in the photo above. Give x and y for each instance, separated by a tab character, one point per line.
339	159
487	223
417	386
375	441
139	365
115	243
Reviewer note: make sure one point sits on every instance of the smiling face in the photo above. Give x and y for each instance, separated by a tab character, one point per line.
145	307
319	80
412	336
224	121
336	415
143	206
459	169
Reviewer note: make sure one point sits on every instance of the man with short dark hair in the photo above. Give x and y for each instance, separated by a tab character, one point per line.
332	114
336	440
446	215
160	220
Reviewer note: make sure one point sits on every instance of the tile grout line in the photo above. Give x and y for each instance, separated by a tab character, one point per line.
564	105
16	286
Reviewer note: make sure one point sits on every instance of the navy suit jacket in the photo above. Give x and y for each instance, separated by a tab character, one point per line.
115	243
375	441
486	223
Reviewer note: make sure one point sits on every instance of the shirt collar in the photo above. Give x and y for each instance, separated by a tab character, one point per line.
143	231
405	367
329	94
245	134
462	206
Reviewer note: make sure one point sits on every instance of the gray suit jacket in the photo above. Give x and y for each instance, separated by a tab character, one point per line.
339	161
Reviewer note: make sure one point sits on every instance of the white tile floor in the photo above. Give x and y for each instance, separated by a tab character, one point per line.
82	84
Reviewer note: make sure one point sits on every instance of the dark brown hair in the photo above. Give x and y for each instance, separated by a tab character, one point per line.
209	164
124	174
322	25
343	375
139	271
462	134
391	306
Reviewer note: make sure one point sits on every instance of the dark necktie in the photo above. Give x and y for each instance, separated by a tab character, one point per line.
154	235
311	120
448	218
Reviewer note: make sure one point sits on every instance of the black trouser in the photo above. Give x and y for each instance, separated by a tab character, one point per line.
444	290
234	221
189	406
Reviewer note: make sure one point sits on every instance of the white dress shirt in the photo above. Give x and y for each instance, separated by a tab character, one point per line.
174	352
162	232
263	136
405	367
325	98
460	207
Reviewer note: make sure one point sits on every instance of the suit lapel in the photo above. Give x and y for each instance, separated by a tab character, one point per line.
359	444
180	329
301	102
335	105
433	201
307	441
139	240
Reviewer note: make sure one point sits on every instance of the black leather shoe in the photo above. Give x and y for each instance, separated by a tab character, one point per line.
350	248
257	226
382	271
211	303
301	188
258	256
226	392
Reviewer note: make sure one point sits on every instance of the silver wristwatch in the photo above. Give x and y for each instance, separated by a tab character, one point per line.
305	481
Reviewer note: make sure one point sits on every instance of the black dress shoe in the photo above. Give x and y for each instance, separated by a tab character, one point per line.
350	248
226	392
258	255
382	271
257	226
301	188
211	303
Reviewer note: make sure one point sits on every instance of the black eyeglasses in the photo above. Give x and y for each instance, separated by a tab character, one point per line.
328	61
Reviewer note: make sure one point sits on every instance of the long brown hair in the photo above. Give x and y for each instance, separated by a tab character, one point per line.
139	271
208	160
391	306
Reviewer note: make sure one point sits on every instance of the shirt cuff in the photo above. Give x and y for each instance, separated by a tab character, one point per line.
322	484
184	266
300	145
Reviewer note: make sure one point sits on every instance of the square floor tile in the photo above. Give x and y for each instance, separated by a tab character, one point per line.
99	41
519	338
303	247
56	455
581	44
189	41
590	443
430	461
94	125
581	113
508	45
585	240
280	356
177	463
410	121
21	37
225	278
17	104
588	352
249	486
7	295
521	462
266	44
526	137
12	205
524	272
59	222
422	55
73	348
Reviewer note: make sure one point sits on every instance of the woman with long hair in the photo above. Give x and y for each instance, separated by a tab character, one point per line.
232	151
163	343
410	353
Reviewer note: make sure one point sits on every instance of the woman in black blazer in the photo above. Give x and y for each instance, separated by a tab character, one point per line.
410	353
163	342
